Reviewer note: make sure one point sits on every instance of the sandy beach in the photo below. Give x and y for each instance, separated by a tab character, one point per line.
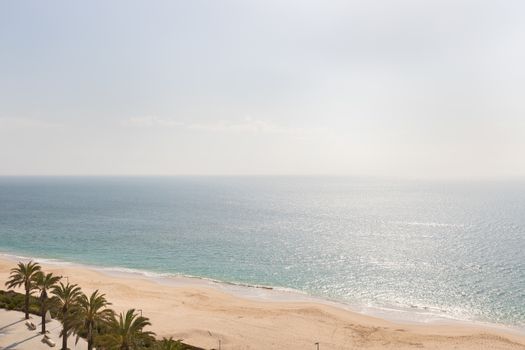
202	316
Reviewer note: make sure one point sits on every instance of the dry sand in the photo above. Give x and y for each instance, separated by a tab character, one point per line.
202	315
15	335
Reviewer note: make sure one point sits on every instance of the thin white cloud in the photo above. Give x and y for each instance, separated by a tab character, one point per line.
26	123
246	125
151	121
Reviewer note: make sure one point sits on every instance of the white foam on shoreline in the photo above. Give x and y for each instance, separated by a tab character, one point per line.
414	315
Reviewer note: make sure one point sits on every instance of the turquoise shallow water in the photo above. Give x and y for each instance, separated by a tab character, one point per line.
454	249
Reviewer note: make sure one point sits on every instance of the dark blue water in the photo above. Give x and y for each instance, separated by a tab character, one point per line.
450	248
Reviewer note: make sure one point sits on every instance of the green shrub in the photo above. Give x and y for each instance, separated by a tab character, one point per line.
12	300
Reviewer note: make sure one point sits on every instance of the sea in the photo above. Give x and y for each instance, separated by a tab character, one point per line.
423	249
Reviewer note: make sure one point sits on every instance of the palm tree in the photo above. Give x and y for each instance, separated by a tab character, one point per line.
67	296
91	313
24	275
128	331
45	282
169	344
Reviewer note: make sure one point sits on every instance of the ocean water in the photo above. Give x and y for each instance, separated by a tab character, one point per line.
453	249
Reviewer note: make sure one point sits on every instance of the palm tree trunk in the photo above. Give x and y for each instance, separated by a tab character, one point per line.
43	310
90	338
64	338
26	304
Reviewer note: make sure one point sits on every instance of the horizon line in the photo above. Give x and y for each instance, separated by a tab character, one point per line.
390	177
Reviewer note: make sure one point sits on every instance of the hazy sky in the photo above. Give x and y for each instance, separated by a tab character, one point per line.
391	88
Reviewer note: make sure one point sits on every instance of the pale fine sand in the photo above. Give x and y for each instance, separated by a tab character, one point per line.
15	335
202	315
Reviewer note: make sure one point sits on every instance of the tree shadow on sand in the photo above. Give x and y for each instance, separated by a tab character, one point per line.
11	324
14	345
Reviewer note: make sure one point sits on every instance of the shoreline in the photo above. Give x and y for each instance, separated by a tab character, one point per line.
192	309
265	293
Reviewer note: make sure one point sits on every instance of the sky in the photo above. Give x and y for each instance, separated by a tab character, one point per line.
405	88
